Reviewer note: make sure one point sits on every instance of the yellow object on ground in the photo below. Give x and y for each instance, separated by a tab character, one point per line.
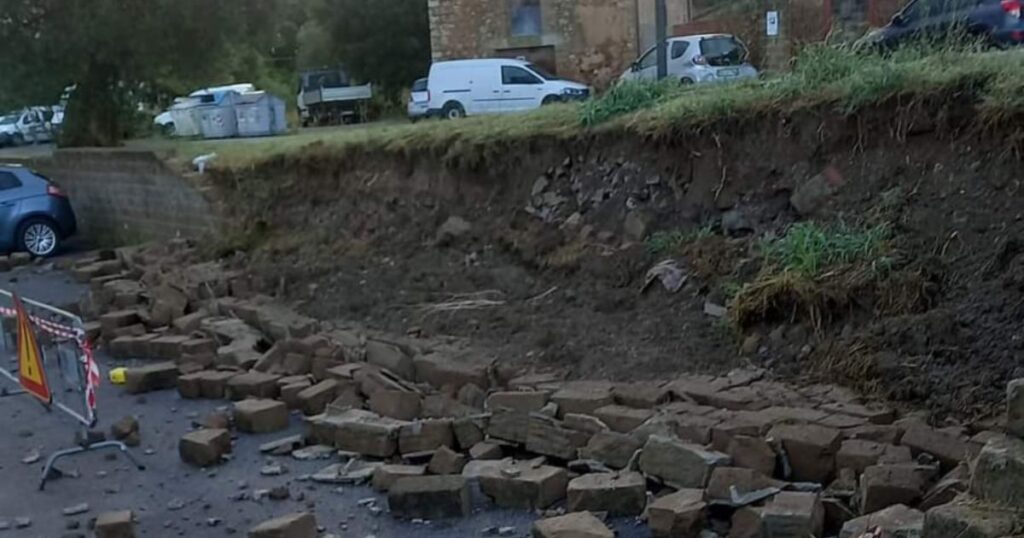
117	376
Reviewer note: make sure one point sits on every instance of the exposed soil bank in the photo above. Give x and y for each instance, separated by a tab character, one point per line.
550	268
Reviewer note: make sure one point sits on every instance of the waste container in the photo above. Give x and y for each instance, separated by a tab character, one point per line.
217	115
260	114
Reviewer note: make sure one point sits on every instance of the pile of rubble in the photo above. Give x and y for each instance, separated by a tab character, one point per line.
435	424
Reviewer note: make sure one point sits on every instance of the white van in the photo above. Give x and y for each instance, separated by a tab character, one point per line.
494	86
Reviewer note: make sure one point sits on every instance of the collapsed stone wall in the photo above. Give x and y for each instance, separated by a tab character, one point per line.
426	419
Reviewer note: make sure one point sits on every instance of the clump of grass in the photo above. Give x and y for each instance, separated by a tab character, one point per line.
662	242
809	248
625	98
815	271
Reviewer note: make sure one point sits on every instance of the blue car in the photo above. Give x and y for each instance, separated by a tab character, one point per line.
35	214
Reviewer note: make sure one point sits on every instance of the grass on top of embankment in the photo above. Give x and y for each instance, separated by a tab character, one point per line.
821	76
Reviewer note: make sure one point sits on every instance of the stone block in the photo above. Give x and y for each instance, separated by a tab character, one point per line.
746	523
896	520
296	364
793	515
296	525
117	524
575	525
752	453
682	514
158	376
744	480
549	437
1015	407
511	426
204	447
622	419
582	400
366	433
391	357
398	404
290	393
950	448
189	323
424	435
882	486
858	454
523	486
213	384
446	461
314	400
643	395
441	370
386	475
998	475
167	347
189	386
253	384
261	416
111	321
486	450
429	497
811	450
732	426
678	464
969	518
618	494
610	448
522	401
468	431
873	414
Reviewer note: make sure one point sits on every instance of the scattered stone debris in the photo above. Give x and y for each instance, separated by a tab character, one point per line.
33	456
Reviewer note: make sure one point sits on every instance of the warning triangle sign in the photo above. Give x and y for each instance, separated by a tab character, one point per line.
30	361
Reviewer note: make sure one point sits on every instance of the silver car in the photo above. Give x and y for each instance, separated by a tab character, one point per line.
419	98
697	59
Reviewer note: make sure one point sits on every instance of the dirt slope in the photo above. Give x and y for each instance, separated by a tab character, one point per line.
550	268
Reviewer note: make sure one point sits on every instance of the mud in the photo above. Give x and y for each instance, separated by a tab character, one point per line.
551	271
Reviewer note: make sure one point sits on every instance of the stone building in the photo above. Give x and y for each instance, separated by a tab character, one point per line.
592	41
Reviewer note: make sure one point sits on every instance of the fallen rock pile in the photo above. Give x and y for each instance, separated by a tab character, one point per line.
429	422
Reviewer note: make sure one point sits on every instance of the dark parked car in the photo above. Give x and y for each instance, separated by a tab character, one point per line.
35	214
998	22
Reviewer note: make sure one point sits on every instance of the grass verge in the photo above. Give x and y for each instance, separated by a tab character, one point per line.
821	76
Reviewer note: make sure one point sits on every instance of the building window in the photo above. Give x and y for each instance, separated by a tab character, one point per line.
524	17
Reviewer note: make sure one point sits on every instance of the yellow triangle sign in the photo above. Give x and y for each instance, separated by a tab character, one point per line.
30	362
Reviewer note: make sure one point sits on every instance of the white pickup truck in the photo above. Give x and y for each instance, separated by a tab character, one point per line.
29	126
327	97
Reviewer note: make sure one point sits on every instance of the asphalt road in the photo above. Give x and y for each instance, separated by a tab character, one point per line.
107	481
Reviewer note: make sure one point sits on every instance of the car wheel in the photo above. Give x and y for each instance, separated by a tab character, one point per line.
18	140
168	129
550	100
453	111
686	81
39	237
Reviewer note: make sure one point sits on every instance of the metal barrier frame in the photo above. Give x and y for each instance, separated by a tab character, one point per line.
77	332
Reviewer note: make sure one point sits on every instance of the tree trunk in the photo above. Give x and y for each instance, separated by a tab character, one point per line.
95	111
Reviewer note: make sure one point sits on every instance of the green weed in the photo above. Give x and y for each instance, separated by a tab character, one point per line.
809	248
625	98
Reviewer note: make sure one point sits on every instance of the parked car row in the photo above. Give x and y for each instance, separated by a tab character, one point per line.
459	88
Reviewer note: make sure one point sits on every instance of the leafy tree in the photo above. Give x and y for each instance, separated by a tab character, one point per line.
386	42
123	53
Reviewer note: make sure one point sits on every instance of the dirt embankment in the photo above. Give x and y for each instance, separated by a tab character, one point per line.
541	253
